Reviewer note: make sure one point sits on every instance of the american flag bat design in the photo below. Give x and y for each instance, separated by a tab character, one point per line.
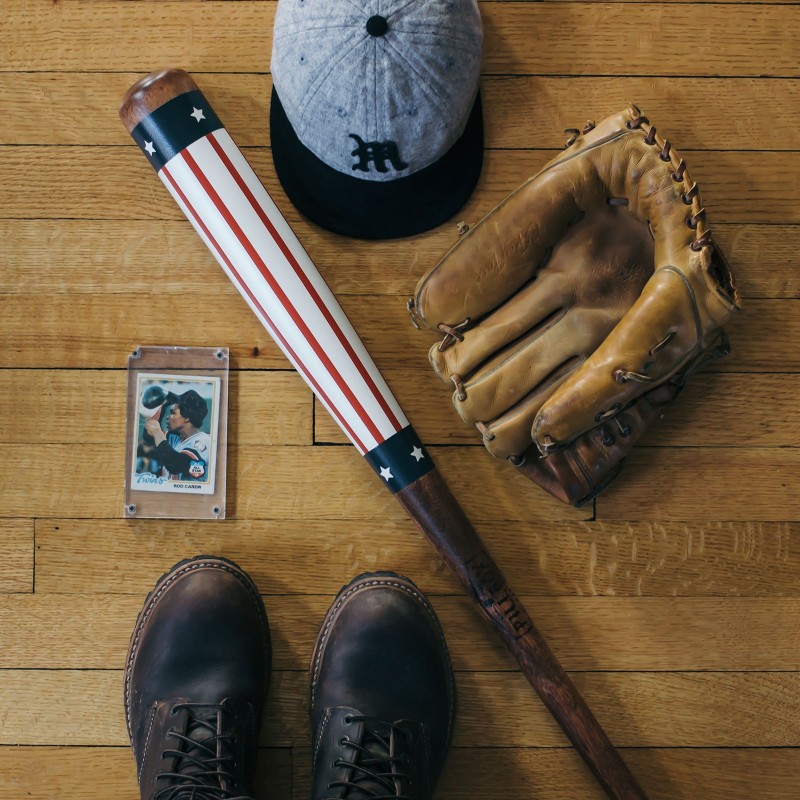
222	197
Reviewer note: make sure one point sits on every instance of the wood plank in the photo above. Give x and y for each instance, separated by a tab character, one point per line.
16	545
66	707
674	774
639	709
51	406
46	332
695	419
45	773
524	111
586	633
72	182
265	483
651	559
757	484
215	36
520	111
112	257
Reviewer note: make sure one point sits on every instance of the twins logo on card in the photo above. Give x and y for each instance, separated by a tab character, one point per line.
175	447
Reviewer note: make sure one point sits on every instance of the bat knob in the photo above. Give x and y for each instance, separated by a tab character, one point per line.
152	92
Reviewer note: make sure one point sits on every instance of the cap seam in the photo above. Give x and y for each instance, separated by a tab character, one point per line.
327	75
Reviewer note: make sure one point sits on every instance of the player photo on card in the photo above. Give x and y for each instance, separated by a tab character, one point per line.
176	435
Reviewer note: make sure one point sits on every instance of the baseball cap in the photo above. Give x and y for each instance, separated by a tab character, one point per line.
376	122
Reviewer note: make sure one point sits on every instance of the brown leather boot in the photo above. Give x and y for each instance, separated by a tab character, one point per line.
382	693
196	681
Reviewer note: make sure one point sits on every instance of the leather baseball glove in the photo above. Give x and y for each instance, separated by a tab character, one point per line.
578	308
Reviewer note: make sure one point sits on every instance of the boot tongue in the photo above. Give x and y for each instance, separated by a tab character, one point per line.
372	771
200	745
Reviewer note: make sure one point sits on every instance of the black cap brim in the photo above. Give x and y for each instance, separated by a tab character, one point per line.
376	209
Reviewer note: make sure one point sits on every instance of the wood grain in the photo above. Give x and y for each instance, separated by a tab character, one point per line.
58	406
263	483
33	772
520	111
71	182
761	483
666	773
500	710
762	336
116	257
16	545
288	557
587	633
732	40
672	774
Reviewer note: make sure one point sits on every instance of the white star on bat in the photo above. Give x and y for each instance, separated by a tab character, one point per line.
386	473
197	113
148	146
417	454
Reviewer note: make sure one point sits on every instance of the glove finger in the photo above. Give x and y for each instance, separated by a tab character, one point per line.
509	435
672	323
494	259
532	310
528	365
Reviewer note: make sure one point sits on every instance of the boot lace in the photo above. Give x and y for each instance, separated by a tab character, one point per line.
200	774
374	771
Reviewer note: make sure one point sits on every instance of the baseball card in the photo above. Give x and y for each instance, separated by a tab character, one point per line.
176	434
177	423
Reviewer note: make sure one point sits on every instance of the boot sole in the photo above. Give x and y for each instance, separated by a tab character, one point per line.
217	562
382	578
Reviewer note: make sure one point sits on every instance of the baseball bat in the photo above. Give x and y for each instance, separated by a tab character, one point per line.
222	197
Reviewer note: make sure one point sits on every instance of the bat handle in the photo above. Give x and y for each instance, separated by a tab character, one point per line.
430	503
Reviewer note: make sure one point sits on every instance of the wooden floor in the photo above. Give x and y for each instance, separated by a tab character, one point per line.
674	601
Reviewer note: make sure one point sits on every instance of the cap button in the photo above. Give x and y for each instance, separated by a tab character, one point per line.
377	26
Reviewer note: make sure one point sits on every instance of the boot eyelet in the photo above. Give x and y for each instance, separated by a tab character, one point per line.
344	740
348	719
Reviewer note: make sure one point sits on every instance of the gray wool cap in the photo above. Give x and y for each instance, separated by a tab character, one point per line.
377	90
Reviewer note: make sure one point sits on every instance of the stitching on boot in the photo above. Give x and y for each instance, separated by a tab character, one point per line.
147	740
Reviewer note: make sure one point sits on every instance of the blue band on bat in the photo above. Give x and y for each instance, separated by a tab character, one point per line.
174	126
400	460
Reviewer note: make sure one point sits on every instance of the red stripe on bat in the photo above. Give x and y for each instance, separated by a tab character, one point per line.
282	297
273	329
262	214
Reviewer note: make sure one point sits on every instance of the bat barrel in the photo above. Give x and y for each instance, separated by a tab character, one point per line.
152	92
219	192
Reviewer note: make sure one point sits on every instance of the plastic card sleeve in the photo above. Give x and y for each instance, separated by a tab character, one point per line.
177	432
